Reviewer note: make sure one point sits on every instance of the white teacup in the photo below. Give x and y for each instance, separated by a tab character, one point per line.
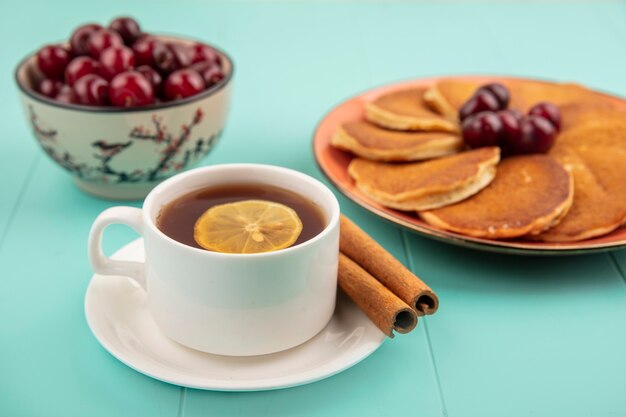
230	304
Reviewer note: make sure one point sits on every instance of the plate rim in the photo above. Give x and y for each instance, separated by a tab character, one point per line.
249	385
493	245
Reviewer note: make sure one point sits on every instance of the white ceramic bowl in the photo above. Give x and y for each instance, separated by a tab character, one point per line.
120	153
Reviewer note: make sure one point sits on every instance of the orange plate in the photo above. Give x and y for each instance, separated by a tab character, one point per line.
334	164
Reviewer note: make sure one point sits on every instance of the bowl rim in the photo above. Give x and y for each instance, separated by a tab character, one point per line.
111	109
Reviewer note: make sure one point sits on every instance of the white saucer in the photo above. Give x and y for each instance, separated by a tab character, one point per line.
116	312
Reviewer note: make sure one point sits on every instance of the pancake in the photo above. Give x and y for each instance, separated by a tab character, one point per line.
578	114
377	144
426	185
530	194
596	156
525	94
448	95
406	110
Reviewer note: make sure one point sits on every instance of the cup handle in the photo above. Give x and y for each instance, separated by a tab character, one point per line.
102	264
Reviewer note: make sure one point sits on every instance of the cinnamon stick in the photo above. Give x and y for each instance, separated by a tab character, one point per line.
383	308
372	257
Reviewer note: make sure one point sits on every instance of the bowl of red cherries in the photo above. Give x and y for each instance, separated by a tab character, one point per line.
122	109
487	120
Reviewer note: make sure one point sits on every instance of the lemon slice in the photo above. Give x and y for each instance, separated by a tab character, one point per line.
250	226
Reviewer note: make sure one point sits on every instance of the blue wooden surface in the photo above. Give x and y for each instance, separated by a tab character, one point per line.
514	336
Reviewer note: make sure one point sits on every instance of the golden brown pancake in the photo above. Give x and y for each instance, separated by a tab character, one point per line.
525	94
406	110
578	114
448	95
425	185
377	144
529	194
596	156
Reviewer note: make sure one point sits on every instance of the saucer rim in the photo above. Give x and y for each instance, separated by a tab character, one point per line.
262	384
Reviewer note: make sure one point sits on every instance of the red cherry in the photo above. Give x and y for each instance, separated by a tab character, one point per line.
212	76
183	83
545	133
472	132
143	49
52	60
548	111
79	67
200	67
182	55
66	95
210	72
482	129
537	136
514	112
163	58
511	126
49	88
91	90
481	101
114	60
101	40
127	27
151	75
170	57
204	53
500	92
130	89
80	37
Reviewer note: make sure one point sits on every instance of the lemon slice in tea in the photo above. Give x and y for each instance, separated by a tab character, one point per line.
250	226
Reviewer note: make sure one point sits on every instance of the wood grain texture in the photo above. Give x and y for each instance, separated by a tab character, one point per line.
514	336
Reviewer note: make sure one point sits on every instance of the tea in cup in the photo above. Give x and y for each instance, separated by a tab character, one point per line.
232	286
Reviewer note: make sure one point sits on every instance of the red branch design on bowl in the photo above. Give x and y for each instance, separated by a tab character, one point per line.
107	151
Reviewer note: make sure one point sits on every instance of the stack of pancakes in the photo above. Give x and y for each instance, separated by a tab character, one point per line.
410	156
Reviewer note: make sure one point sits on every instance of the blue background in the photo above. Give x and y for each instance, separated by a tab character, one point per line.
514	336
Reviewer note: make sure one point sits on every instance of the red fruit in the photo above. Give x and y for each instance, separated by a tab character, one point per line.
52	60
66	95
514	112
537	136
79	67
127	27
163	58
151	75
170	57
511	129
481	101
92	90
182	56
101	40
500	92
210	72
212	76
204	53
545	133
482	129
115	60
200	67
143	49
80	37
130	89
548	111
49	88
183	83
